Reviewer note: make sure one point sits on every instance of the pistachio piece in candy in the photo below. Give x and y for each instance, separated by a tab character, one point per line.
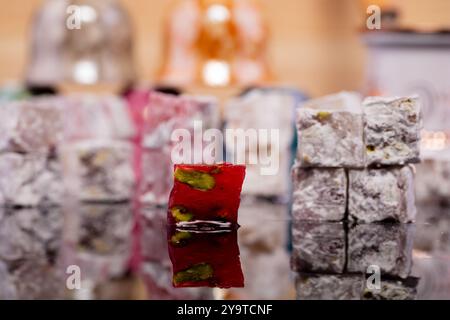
199	272
180	237
181	214
323	115
196	179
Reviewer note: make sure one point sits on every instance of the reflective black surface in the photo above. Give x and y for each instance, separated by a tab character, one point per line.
122	253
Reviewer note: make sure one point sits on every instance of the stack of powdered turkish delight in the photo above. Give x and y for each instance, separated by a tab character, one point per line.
97	152
354	164
353	158
30	132
269	114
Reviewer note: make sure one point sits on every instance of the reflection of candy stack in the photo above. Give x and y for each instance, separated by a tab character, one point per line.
270	110
30	245
98	154
352	164
154	263
97	239
265	258
29	170
434	235
433	178
203	214
164	114
333	260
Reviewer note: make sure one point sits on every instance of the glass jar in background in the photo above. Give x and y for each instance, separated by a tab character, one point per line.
216	43
83	42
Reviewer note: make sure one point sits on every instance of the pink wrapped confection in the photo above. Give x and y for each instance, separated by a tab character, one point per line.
164	114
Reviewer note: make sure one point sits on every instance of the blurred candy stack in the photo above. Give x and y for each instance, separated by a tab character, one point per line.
88	135
354	197
97	239
30	173
31	239
433	178
266	109
97	153
263	214
161	116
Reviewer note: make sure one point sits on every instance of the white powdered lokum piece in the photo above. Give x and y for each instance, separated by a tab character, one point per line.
382	194
388	246
329	286
28	180
392	130
157	176
97	117
319	194
426	182
99	170
433	177
263	110
318	247
330	132
208	109
34	125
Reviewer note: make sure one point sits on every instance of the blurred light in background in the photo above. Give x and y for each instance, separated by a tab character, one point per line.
216	73
88	14
85	72
218	13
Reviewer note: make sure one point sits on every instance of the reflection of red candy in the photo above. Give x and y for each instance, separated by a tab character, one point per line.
218	202
205	259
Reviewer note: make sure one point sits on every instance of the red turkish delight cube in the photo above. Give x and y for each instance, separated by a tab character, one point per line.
206	193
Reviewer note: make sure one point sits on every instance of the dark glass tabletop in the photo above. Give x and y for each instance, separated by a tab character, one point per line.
121	251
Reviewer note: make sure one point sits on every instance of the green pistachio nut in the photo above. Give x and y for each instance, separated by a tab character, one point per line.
323	115
180	236
196	179
198	272
181	214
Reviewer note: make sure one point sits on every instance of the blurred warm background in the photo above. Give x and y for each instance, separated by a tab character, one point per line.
314	44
